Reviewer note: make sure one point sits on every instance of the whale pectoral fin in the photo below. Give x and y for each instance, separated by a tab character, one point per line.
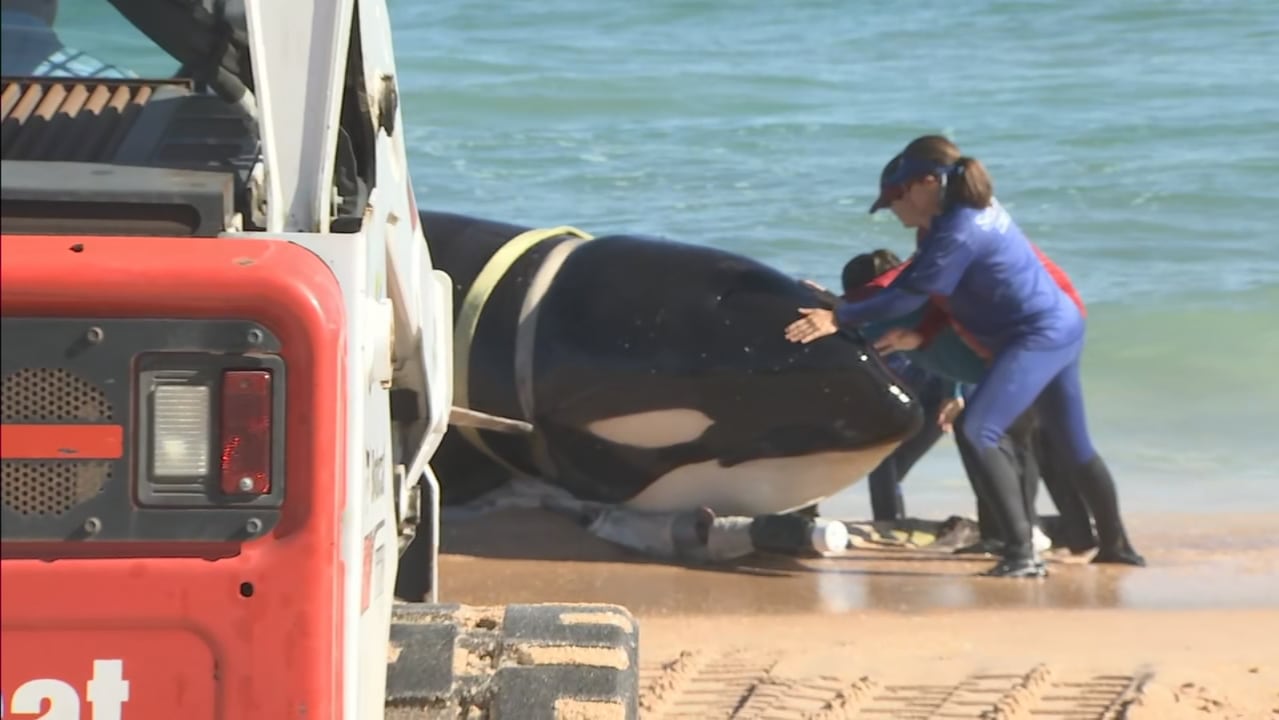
465	417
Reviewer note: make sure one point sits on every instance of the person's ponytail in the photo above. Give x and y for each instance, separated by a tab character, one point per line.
969	184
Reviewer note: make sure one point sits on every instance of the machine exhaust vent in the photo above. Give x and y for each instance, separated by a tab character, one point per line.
61	119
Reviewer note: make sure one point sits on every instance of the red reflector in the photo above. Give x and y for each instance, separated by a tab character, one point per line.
246	432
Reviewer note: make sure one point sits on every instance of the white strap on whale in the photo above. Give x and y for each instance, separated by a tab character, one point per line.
526	330
526	337
473	307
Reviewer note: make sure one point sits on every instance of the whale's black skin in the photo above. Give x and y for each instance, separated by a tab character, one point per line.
637	326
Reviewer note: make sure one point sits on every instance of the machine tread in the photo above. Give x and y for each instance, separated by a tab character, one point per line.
531	662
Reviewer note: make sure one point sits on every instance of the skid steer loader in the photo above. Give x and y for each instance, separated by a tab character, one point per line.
227	362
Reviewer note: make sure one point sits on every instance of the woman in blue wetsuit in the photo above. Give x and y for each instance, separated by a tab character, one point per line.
976	260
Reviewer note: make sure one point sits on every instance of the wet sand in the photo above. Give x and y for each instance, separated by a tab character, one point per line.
913	634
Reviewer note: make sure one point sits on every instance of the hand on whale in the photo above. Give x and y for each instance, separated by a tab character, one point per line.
816	324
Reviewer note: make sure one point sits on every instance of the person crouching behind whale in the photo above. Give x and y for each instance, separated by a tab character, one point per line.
952	367
951	360
974	256
862	277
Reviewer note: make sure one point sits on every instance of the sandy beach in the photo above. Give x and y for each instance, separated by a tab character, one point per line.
898	633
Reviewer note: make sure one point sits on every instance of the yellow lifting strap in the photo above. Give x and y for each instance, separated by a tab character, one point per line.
468	319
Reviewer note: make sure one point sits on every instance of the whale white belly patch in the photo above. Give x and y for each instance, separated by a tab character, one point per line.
757	487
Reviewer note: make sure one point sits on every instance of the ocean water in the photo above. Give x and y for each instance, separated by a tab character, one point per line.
1136	142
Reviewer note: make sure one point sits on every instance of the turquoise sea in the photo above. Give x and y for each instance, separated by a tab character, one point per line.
1136	142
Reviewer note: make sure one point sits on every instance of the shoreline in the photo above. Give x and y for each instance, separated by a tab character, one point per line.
1195	562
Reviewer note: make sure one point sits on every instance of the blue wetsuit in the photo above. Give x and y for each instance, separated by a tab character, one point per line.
1001	292
1005	297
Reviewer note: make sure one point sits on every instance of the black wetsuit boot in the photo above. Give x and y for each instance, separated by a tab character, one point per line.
1017	446
1007	501
1098	488
1075	522
1005	483
885	494
988	525
1019	443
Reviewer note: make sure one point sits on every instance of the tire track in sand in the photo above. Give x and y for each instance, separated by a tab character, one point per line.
746	685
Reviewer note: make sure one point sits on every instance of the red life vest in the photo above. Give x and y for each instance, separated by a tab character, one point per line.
879	282
937	314
1061	278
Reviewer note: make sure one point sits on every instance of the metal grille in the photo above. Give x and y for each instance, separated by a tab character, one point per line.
51	487
50	395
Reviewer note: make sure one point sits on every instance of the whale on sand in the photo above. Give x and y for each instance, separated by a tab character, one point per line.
654	374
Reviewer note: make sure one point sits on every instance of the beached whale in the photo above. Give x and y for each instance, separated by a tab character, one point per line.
654	373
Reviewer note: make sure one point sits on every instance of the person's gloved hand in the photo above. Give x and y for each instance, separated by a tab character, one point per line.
897	340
